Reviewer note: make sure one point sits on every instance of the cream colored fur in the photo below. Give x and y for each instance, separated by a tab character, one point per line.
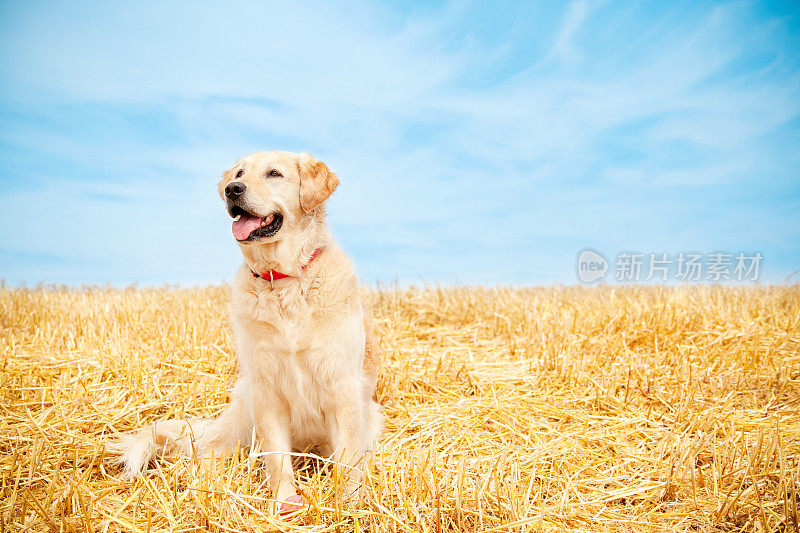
307	365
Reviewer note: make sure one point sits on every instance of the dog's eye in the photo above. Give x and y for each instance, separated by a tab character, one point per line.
239	173
274	174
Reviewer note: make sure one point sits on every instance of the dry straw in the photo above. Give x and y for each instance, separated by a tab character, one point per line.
541	409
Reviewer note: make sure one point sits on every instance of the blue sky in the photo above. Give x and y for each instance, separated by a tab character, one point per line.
475	142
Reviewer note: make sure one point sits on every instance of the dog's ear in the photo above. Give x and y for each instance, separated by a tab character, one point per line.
317	182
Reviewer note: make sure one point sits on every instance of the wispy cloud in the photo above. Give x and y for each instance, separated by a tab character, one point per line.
473	144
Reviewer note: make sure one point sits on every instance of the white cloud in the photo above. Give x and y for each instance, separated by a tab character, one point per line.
425	157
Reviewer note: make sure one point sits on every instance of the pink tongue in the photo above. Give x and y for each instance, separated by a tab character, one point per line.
243	227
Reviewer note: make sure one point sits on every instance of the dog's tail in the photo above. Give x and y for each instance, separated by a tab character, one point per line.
200	437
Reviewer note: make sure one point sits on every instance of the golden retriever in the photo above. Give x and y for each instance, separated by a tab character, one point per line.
307	364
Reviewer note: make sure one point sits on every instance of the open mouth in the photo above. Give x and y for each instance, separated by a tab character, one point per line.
248	227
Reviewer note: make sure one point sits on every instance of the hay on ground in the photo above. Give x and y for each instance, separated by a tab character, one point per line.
538	409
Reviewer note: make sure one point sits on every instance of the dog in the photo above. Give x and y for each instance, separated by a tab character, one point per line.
308	366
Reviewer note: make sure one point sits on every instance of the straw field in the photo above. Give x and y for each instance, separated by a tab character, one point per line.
530	409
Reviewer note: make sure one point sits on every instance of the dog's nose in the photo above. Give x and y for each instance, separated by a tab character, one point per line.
235	189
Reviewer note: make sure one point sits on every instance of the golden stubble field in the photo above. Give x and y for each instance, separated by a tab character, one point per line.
534	409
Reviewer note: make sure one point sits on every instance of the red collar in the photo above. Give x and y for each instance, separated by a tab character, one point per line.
272	275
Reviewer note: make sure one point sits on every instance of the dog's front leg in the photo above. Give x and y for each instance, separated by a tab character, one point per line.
348	419
272	427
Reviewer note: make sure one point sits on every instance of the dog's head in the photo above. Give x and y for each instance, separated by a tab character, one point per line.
269	194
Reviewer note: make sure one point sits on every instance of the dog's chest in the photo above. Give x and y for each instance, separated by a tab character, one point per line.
303	397
275	324
276	329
